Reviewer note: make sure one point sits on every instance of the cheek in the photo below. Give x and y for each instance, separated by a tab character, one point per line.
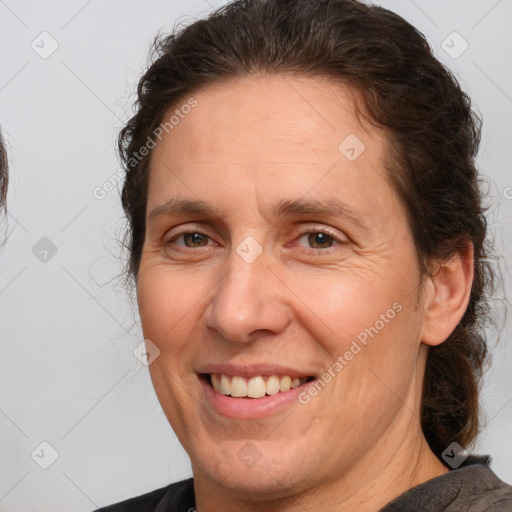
167	303
370	319
370	331
346	304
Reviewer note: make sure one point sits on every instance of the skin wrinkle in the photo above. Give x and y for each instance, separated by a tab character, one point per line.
288	306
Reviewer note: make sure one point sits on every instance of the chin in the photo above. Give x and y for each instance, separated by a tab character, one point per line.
255	471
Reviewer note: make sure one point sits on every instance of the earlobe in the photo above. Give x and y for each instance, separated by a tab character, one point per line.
447	294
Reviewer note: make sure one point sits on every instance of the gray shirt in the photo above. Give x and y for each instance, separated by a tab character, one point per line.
473	487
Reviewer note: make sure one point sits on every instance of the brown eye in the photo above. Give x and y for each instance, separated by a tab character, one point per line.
320	240
195	239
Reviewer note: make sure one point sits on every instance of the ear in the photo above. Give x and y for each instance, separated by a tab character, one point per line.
446	295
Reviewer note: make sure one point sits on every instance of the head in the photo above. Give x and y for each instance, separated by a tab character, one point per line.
324	140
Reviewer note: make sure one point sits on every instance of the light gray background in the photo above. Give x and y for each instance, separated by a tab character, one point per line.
68	373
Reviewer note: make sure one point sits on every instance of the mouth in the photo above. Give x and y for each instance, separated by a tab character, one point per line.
254	387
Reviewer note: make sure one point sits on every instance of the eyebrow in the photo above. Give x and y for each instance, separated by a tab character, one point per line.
182	206
329	207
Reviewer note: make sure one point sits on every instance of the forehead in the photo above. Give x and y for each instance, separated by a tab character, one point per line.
272	135
302	114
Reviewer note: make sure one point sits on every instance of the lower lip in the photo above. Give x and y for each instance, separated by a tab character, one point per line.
251	408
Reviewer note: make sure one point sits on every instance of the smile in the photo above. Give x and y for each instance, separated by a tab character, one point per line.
254	387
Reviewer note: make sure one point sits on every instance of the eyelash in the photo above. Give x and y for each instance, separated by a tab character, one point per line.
335	240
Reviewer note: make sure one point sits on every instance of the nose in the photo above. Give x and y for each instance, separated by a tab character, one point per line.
248	302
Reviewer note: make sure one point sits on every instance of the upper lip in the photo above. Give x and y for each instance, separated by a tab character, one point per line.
253	370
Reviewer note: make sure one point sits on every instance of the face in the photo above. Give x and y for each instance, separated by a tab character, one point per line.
278	263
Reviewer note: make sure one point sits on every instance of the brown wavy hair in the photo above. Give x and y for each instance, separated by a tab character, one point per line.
433	137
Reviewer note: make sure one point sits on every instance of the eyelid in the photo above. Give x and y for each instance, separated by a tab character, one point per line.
187	227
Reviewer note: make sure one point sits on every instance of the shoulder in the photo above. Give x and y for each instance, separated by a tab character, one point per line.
480	489
473	487
177	497
486	492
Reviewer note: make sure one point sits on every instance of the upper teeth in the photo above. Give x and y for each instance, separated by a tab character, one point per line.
255	387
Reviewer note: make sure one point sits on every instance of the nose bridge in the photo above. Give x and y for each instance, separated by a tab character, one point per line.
246	299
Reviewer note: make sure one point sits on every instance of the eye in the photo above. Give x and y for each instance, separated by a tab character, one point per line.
191	239
318	239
